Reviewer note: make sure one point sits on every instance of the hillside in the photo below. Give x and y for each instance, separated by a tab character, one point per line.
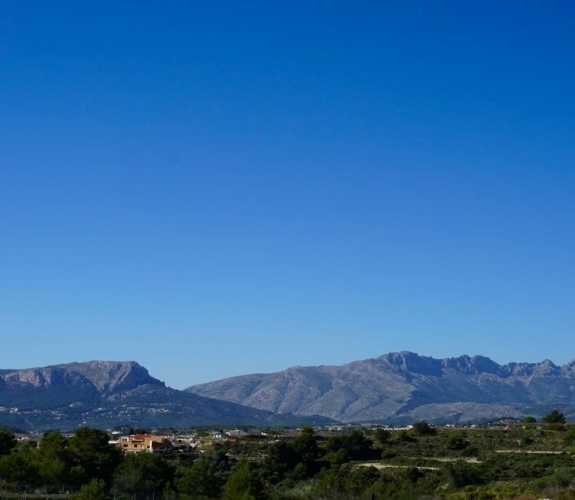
405	387
108	394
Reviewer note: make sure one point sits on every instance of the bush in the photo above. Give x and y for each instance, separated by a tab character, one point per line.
94	490
462	474
382	435
423	428
403	436
470	451
456	441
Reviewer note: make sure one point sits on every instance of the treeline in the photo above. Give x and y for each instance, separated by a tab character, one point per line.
528	460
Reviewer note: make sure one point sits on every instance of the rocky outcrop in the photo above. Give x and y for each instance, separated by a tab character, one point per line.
111	376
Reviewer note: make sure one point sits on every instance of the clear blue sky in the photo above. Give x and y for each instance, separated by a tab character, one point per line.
221	187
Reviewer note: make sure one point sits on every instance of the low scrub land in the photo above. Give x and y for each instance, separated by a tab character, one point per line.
531	460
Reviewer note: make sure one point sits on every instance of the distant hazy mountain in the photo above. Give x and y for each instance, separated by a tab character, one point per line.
406	387
108	394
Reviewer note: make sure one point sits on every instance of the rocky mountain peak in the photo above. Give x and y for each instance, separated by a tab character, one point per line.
43	377
413	363
519	369
102	376
110	376
547	369
475	364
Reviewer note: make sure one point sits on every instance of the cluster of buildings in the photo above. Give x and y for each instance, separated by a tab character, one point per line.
153	443
144	442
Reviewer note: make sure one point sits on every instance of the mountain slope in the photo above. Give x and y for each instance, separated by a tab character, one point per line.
402	387
110	393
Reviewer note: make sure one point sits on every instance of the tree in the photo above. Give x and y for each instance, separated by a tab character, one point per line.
243	483
422	428
142	472
403	436
529	420
462	474
17	469
333	480
296	458
307	452
555	417
456	441
95	490
352	446
382	435
53	446
360	480
52	458
7	442
199	481
280	461
89	449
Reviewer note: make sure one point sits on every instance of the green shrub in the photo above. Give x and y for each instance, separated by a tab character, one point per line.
462	474
423	429
456	441
403	436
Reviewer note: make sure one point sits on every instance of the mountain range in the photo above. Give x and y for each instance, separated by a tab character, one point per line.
394	388
405	387
112	394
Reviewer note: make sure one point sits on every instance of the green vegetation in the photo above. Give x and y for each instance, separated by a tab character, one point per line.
555	417
527	460
7	442
423	428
